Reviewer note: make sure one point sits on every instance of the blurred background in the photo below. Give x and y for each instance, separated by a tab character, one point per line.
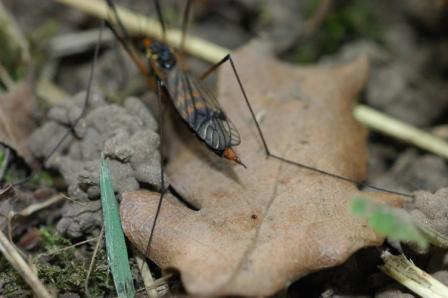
51	48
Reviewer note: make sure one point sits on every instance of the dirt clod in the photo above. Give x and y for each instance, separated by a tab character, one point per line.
126	135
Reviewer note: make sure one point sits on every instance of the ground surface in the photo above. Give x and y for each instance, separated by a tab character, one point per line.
408	48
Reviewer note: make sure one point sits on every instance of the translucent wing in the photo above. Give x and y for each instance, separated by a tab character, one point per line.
201	110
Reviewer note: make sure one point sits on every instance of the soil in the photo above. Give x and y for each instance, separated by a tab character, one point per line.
406	42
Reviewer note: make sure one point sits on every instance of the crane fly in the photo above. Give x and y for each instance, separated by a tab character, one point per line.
194	102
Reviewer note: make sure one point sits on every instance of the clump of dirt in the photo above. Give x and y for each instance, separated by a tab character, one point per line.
125	134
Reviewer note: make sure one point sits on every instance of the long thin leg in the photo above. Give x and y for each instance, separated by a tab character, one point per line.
88	93
161	20
123	37
83	111
123	32
162	178
265	145
185	24
212	69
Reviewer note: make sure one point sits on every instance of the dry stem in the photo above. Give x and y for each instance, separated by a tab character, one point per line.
400	130
92	261
19	264
139	24
148	280
405	272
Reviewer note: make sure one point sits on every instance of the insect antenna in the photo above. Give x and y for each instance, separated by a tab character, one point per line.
161	20
124	33
125	41
185	23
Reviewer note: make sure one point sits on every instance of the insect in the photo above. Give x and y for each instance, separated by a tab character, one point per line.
193	101
196	105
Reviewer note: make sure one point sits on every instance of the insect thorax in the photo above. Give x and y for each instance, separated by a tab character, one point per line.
162	54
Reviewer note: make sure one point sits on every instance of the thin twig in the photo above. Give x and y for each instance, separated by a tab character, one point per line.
66	248
160	284
140	24
73	200
406	273
161	281
6	192
36	207
74	43
92	261
400	130
30	210
148	280
19	264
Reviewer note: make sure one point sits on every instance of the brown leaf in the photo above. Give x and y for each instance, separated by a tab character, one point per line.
16	121
258	229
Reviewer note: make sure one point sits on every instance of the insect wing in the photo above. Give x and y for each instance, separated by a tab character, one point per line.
198	106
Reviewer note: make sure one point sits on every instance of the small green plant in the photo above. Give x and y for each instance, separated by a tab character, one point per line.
12	283
42	178
62	268
394	223
52	240
66	269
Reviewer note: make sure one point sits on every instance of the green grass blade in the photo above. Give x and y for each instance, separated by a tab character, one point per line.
117	253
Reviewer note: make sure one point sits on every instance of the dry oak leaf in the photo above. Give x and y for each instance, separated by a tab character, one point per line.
258	229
